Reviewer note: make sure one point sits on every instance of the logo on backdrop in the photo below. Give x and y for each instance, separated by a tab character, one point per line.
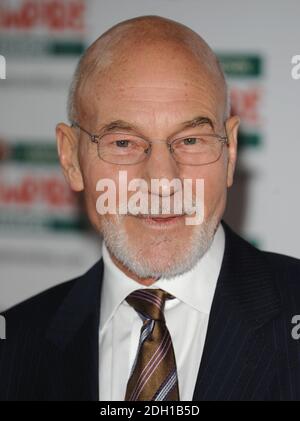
42	28
245	76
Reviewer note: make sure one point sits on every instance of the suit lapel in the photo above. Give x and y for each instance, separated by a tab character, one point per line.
239	353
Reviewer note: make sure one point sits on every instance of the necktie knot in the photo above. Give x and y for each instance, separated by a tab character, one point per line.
149	303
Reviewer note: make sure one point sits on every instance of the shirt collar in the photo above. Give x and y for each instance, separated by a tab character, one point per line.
196	287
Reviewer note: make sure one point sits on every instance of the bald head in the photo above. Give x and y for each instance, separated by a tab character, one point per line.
155	33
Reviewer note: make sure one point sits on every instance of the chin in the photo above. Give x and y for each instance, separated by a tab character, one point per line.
157	253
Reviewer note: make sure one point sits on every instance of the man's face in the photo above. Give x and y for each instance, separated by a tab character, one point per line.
156	91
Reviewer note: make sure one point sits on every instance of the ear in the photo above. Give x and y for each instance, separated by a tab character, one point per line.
67	147
232	125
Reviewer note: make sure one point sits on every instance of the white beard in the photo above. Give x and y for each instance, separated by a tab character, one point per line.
133	255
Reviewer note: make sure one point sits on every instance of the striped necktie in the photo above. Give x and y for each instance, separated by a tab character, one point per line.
154	374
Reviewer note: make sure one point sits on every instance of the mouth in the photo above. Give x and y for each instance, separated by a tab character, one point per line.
160	220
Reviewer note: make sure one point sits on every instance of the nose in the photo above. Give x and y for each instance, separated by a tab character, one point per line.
161	165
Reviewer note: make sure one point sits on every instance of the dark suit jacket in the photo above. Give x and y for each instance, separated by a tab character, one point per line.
51	350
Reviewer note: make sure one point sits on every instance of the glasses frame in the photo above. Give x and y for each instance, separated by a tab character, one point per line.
96	138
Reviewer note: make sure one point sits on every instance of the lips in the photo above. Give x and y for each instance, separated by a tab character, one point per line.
159	216
160	219
163	219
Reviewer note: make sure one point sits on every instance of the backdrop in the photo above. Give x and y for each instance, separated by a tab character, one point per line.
44	238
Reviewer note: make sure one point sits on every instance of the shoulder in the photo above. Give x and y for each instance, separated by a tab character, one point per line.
283	271
286	275
38	310
285	265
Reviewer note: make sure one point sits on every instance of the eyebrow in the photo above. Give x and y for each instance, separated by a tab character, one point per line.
124	125
198	121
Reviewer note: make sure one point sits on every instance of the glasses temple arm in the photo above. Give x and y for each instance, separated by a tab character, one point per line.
94	137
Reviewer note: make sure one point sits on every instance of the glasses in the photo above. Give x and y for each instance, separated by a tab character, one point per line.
128	149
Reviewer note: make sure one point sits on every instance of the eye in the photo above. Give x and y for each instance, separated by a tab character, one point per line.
122	143
190	141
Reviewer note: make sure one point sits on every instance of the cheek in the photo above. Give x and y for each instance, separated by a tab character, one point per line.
215	188
92	173
216	191
91	166
94	170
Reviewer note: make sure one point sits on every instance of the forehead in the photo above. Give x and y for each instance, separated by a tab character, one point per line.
151	82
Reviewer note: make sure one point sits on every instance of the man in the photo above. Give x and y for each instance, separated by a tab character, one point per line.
173	311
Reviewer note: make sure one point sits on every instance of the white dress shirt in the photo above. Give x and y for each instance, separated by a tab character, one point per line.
186	318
